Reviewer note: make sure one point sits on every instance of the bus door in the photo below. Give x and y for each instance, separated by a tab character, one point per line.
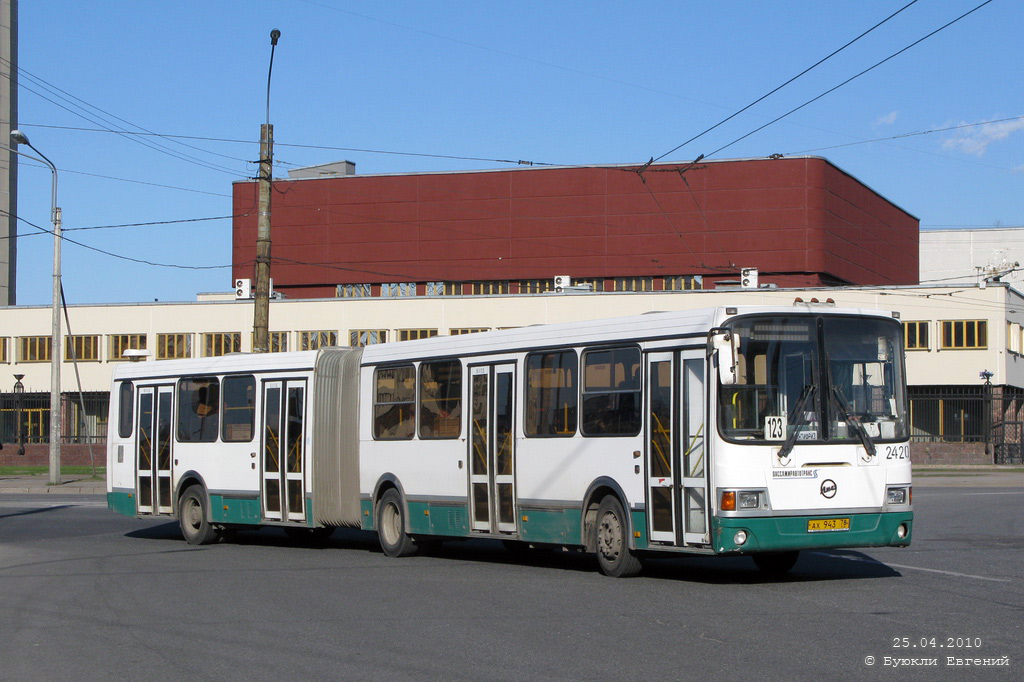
676	452
283	426
492	449
153	450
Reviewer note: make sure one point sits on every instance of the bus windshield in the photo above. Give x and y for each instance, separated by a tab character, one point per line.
815	378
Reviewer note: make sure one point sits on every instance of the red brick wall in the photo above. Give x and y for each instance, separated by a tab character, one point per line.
802	222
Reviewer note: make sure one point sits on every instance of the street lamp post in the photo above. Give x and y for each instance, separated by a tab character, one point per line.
19	137
19	395
261	302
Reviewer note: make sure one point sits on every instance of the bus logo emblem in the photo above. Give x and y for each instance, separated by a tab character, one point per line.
828	488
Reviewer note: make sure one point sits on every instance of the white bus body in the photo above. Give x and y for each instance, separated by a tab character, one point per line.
759	431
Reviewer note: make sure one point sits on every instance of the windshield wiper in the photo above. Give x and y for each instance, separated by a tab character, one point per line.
801	419
847	413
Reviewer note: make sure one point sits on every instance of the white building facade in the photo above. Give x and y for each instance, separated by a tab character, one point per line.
965	348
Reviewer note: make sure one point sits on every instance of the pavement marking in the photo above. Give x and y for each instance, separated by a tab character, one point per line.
1007	493
916	568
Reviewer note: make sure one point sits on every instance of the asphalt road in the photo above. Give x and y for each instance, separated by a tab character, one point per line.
86	594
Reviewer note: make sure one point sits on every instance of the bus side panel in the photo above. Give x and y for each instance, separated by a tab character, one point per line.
234	509
553	475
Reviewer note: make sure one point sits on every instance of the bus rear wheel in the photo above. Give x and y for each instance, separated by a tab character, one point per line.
776	563
391	526
614	556
192	517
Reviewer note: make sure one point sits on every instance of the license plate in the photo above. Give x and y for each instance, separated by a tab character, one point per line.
827	525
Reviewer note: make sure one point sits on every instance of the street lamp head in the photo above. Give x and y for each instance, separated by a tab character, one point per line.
274	35
19	137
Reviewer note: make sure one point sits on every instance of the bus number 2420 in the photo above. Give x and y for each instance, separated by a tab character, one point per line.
897	451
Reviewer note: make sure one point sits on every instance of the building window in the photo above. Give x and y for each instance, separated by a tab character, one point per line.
397	289
633	284
3	349
444	288
1013	337
221	343
440	399
354	291
394	403
587	284
413	334
492	288
198	409
551	394
85	348
468	330
34	348
611	392
173	346
683	282
536	286
959	334
117	344
916	335
239	408
278	342
367	337
316	340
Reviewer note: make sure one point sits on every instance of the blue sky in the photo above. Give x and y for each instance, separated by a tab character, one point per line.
402	86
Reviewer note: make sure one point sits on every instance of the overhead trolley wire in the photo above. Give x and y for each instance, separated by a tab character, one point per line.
851	78
83	109
776	89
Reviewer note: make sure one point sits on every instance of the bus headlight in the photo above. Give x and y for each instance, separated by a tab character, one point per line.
743	500
740	538
897	496
748	499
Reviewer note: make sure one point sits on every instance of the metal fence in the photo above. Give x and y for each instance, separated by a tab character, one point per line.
993	415
25	418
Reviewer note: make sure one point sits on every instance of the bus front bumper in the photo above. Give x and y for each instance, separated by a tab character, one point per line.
747	535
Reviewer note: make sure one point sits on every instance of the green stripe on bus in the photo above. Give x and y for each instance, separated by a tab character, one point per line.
235	509
122	503
790	532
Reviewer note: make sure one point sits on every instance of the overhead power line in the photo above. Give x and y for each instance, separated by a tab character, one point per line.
777	88
120	256
89	112
851	78
362	150
903	135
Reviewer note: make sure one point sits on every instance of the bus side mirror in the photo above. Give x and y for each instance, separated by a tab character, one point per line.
725	344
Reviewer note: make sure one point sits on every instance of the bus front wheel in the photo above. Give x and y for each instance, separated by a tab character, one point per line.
192	517
391	526
614	556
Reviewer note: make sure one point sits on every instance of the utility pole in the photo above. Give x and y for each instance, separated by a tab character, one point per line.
261	313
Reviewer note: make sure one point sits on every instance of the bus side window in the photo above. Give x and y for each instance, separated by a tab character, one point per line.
198	409
611	392
440	399
126	403
239	409
551	394
394	403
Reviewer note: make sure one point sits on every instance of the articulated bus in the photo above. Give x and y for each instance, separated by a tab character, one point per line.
761	431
